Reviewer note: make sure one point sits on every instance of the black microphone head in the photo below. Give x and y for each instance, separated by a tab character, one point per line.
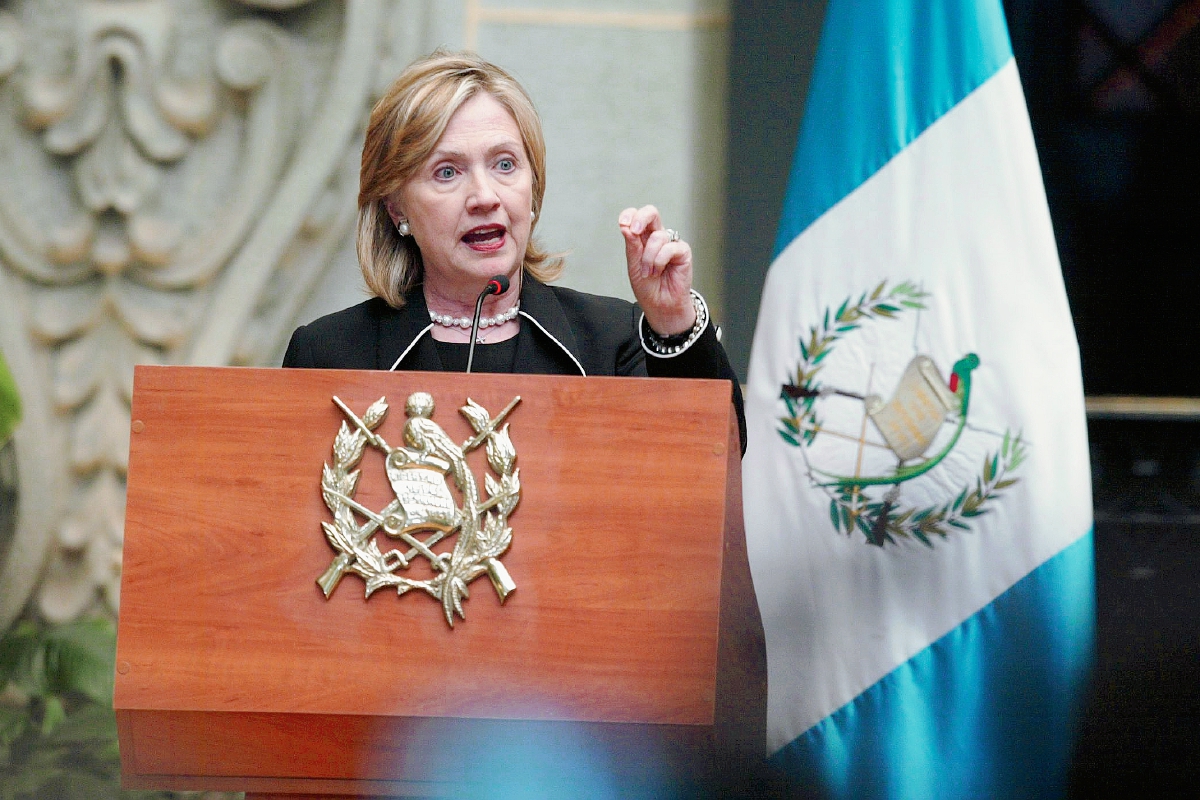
498	284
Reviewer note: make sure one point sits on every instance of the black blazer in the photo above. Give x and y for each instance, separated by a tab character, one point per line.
563	332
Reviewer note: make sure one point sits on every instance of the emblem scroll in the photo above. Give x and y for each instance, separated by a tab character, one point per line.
418	473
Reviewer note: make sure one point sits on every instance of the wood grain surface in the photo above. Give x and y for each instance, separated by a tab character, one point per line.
232	664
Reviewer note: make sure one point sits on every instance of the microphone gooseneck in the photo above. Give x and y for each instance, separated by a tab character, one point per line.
497	284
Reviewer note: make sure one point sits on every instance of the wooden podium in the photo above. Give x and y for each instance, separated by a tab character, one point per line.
630	653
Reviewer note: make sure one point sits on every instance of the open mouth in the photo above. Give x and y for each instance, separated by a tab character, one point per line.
489	237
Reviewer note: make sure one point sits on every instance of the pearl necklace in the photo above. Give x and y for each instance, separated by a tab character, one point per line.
447	321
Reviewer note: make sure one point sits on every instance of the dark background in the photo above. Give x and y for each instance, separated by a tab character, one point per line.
1113	90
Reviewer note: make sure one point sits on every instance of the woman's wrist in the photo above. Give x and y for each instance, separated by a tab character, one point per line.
666	324
668	346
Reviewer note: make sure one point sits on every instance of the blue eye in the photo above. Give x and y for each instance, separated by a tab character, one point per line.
444	173
506	165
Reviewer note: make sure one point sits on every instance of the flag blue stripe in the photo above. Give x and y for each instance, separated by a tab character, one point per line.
989	710
908	63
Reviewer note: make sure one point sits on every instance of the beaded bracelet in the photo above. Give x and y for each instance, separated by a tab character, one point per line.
671	346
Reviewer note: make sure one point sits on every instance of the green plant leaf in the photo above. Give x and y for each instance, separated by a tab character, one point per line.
53	715
20	658
73	752
10	403
79	658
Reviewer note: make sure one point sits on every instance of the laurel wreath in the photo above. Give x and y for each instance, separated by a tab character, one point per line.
802	425
882	521
358	551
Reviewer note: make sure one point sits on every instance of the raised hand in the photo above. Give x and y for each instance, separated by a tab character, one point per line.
660	270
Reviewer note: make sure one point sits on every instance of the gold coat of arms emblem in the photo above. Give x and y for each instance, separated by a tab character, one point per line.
424	511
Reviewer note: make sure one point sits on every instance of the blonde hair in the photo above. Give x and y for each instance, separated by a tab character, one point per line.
404	129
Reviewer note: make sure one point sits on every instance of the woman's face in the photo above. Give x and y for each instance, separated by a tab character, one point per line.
470	205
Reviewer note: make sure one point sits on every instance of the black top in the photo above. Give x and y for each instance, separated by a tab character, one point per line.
563	332
494	357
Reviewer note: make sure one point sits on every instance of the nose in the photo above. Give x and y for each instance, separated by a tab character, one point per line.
482	194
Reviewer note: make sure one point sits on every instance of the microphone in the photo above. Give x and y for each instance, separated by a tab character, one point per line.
497	284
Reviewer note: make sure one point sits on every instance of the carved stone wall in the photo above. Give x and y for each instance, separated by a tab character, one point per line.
175	176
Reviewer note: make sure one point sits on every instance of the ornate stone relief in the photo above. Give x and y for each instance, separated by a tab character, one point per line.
175	176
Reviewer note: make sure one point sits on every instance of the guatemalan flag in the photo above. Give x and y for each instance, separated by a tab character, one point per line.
917	488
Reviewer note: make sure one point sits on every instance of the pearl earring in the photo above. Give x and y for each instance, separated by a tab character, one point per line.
403	228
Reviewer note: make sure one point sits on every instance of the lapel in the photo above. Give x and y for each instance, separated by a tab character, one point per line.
547	343
406	330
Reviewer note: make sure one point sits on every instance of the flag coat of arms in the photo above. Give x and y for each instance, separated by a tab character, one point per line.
917	483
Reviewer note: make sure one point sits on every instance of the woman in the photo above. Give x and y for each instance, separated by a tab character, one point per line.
453	174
